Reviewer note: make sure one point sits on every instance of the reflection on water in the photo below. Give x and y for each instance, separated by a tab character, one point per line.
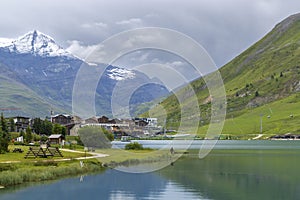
170	191
267	174
110	185
241	174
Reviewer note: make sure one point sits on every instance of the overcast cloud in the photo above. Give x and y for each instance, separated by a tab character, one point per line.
223	27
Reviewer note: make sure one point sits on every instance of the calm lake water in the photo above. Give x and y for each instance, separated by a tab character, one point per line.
221	144
267	170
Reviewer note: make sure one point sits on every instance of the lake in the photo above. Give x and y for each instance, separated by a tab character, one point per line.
221	144
247	170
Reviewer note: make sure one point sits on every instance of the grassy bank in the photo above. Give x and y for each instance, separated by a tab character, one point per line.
19	173
15	169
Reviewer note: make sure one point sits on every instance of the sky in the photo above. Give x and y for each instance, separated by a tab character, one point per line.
224	28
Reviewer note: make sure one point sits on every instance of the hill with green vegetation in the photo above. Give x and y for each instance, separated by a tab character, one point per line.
17	99
262	83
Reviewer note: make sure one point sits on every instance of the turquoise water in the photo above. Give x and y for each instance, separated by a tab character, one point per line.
269	171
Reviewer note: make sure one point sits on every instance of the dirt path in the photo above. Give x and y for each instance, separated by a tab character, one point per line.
94	155
257	137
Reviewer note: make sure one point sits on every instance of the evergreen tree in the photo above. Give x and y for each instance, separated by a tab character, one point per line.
4	135
47	127
37	125
3	124
28	135
2	142
12	126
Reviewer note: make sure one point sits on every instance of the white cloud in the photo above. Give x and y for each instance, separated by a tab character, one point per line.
100	24
94	25
80	50
131	22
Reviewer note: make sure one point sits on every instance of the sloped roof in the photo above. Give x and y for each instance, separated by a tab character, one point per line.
65	115
55	136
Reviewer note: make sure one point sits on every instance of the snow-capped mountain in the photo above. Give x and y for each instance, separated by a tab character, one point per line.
37	62
35	43
40	44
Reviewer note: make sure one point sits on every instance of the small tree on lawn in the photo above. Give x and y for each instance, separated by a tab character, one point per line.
28	135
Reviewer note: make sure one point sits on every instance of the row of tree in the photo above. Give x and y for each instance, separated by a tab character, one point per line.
44	127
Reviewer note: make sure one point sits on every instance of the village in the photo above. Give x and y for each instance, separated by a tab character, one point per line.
122	129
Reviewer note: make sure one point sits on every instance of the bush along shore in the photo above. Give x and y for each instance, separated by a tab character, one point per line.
19	173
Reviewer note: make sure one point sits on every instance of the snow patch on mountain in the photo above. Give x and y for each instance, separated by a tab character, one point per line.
120	74
35	43
4	42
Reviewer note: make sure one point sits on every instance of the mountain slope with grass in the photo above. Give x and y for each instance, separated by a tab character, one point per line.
262	83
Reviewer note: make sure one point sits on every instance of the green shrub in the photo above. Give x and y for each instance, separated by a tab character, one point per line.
134	146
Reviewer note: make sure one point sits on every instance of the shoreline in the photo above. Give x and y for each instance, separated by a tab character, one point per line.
23	173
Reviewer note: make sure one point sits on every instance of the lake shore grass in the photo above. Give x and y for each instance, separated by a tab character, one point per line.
15	169
19	173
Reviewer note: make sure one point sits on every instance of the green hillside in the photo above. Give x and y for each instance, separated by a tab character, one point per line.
17	99
265	79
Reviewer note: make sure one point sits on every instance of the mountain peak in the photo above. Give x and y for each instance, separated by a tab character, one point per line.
35	43
288	22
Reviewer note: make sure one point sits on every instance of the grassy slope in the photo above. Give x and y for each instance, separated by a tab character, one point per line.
272	68
276	119
16	95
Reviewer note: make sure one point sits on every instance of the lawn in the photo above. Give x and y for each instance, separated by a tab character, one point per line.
20	156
